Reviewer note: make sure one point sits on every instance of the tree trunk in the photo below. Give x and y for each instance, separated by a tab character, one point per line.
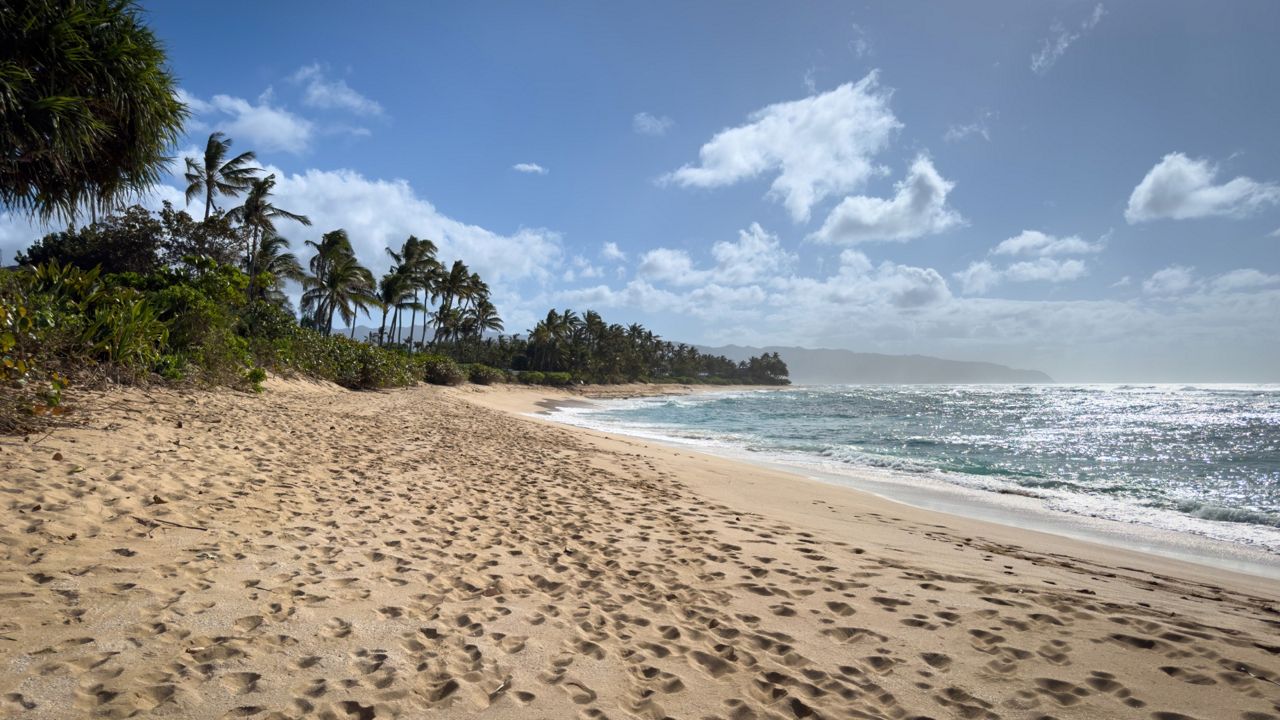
208	202
413	318
382	329
328	326
253	259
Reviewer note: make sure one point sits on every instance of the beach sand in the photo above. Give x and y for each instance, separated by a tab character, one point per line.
430	552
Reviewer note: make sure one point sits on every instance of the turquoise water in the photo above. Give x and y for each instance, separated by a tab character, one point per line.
1199	459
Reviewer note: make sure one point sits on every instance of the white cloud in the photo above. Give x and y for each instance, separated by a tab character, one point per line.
1244	279
610	251
1060	38
1045	269
259	125
918	207
674	267
530	168
860	44
979	277
581	269
755	257
815	147
647	124
979	127
1180	188
1172	280
321	92
1034	242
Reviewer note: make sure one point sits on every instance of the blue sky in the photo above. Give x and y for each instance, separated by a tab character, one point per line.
1088	189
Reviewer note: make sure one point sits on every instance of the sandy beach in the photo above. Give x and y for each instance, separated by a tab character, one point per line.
433	552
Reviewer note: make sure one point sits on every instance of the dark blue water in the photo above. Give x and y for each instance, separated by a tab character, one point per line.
1202	459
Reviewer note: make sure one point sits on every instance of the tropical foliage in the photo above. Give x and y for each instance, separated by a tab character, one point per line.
88	109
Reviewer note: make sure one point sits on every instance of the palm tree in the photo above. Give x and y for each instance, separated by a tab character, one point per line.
333	246
484	316
258	215
88	109
345	287
453	286
394	292
217	175
274	259
418	259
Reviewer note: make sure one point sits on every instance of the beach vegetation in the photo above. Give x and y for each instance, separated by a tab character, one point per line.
88	107
88	111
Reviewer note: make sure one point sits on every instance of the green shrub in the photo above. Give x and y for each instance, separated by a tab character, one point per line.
532	377
485	375
557	378
125	330
255	377
439	370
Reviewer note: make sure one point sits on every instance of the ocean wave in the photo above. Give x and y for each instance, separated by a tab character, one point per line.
1220	513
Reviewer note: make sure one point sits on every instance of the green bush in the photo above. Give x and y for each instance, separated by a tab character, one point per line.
557	378
255	377
439	370
532	377
485	375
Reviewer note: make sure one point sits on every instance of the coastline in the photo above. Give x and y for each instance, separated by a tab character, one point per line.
1007	509
1104	541
433	552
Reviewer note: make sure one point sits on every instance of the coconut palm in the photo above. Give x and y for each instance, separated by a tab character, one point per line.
274	259
395	291
258	216
484	317
345	287
216	175
333	246
88	109
453	287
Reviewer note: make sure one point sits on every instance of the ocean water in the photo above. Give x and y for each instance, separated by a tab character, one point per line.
1202	459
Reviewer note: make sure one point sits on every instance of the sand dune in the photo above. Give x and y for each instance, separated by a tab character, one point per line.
426	553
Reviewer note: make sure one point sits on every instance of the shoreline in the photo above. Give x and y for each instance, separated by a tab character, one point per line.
433	552
1201	554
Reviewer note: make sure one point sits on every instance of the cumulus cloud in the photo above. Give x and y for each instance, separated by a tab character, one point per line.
1034	242
814	148
1060	38
381	213
918	207
260	124
530	168
1180	188
754	257
645	123
1172	280
978	278
1244	279
319	91
981	276
610	251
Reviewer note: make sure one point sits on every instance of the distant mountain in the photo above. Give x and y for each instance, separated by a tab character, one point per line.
820	366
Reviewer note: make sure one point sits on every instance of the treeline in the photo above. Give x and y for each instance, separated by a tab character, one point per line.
588	349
